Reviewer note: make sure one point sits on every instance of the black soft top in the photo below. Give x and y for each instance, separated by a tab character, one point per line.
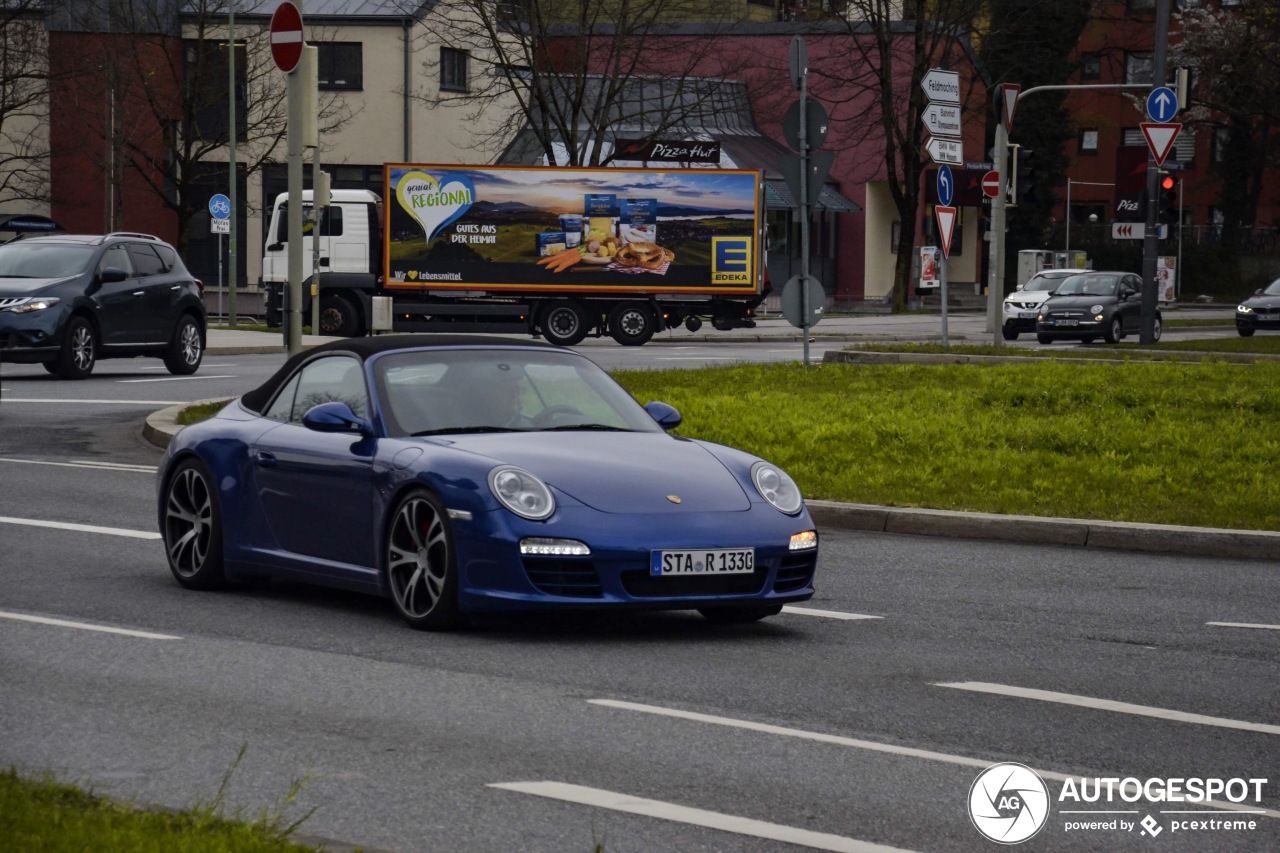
366	348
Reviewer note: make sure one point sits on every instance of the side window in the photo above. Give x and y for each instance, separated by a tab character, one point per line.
332	225
330	380
116	256
282	407
168	257
145	260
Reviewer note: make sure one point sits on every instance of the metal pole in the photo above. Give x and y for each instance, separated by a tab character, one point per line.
293	318
231	160
1177	274
942	278
220	279
316	217
804	210
995	251
1150	298
1067	248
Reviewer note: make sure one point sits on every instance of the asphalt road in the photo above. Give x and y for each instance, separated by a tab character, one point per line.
817	727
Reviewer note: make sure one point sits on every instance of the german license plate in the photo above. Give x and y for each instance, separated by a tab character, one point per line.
1066	322
1268	318
1026	315
710	561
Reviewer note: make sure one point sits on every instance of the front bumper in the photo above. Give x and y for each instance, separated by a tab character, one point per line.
30	338
1255	321
1083	328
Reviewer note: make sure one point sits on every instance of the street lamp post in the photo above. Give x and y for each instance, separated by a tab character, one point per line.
231	159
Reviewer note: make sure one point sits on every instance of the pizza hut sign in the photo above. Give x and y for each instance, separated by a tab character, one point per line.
667	151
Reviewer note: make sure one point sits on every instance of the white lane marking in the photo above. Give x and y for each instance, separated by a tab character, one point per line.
105	402
1109	705
696	358
869	745
80	528
175	378
1244	625
84	626
104	466
205	364
826	614
614	801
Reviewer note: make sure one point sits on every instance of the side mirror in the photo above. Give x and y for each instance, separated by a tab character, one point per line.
1258	292
1019	287
335	417
276	247
113	274
666	415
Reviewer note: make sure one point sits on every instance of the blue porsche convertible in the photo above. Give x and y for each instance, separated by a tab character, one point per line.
459	475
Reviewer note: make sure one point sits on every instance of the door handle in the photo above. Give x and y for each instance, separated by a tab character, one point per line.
139	293
266	459
176	287
324	262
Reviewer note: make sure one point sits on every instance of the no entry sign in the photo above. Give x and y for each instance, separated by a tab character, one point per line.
991	184
286	36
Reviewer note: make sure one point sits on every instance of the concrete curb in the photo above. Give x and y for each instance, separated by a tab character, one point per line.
861	357
160	428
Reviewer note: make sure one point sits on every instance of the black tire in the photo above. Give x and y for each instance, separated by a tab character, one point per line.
1044	339
693	322
52	366
421	564
739	615
1245	333
339	318
1115	331
186	349
632	324
564	323
192	527
1088	340
1009	334
79	352
1156	330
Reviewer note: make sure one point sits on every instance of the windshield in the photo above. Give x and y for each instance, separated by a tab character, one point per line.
1273	289
445	392
43	260
1088	285
1041	281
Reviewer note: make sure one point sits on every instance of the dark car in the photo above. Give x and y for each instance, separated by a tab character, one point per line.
68	300
1093	305
1260	311
461	474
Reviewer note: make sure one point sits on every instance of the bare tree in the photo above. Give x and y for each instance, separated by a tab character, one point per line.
24	103
569	75
875	73
168	76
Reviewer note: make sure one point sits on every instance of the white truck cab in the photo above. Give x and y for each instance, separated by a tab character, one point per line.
349	235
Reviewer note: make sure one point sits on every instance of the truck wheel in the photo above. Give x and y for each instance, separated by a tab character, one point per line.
693	322
339	317
564	323
631	324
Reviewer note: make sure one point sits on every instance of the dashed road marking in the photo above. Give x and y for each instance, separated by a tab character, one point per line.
85	626
80	528
1244	625
826	614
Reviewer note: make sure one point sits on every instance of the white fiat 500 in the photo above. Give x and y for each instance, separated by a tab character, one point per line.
1020	307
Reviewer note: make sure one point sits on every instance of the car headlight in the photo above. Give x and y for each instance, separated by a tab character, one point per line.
521	492
32	304
776	487
1244	309
1095	309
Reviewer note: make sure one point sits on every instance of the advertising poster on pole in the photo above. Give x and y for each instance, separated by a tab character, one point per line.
1167	278
929	267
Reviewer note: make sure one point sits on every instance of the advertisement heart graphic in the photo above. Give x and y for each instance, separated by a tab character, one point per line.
435	201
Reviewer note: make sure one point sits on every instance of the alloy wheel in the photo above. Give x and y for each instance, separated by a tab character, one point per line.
188	522
418	557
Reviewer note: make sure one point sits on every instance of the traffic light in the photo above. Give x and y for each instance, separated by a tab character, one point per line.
1168	209
1026	173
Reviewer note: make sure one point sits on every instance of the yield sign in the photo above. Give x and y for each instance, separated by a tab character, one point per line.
1009	100
1160	137
286	36
946	224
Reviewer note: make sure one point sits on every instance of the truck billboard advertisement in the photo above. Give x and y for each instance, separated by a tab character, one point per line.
507	228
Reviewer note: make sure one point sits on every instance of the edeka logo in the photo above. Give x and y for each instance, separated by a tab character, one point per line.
1008	803
731	260
434	202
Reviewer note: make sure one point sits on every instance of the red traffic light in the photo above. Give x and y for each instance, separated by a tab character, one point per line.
1168	182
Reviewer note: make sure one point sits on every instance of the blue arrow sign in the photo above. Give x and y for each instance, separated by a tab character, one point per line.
1162	104
220	206
946	185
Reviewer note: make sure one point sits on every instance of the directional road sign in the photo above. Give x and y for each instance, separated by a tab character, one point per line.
946	185
1160	138
991	184
220	206
946	226
941	119
286	36
944	150
1135	231
1162	104
942	87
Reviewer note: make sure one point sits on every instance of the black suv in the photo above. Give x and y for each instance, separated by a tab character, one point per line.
68	300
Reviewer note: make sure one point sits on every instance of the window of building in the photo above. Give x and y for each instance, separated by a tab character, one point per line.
1090	66
1089	141
1139	68
453	69
1221	139
1132	137
340	65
